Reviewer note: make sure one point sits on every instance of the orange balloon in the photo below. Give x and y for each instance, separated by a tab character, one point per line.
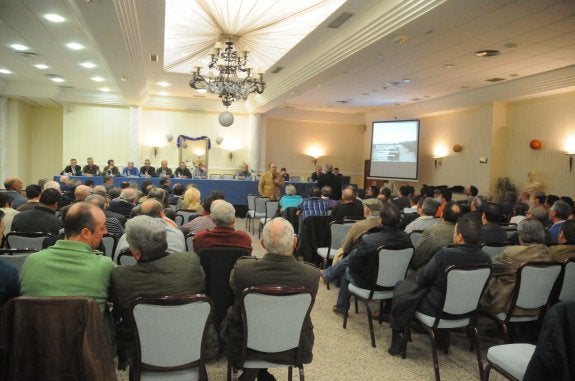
535	144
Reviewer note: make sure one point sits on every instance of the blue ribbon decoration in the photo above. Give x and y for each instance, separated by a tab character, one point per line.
179	140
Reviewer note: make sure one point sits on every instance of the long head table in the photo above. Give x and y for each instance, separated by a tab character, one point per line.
235	191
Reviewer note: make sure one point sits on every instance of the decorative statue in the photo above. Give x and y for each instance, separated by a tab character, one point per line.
533	185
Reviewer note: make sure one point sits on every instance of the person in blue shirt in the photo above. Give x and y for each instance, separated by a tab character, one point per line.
130	170
290	199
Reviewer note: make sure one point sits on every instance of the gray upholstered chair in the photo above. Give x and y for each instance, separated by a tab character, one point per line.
567	291
510	360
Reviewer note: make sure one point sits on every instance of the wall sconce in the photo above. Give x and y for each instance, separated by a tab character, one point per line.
155	150
439	152
570	154
437	161
570	150
231	155
315	160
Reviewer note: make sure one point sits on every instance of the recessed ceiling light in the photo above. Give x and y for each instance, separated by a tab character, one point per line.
407	80
57	79
163	93
486	53
104	89
98	79
448	66
42	66
164	84
75	46
19	47
54	18
123	78
5	71
88	65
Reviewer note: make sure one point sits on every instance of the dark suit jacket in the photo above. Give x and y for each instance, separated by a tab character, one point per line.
169	172
333	181
76	171
272	269
118	216
493	233
151	171
39	219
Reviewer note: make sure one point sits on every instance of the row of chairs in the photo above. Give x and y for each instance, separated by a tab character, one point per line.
262	209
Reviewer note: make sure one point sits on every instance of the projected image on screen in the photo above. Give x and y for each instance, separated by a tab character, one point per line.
394	149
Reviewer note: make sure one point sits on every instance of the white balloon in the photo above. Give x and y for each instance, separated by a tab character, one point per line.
219	140
226	118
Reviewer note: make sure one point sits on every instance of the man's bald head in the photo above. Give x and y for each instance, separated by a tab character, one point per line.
13	184
152	208
278	237
81	192
347	194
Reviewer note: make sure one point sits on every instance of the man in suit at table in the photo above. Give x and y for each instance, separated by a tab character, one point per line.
73	169
91	169
147	170
328	178
164	170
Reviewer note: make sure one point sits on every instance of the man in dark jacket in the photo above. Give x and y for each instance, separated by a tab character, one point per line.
465	251
363	260
328	178
42	218
492	232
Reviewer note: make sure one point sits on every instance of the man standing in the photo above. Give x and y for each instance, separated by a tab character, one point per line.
183	171
13	186
164	170
278	267
328	178
147	170
91	169
130	170
73	169
42	218
71	267
224	234
270	183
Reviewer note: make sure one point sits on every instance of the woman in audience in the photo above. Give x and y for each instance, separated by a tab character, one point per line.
191	200
291	198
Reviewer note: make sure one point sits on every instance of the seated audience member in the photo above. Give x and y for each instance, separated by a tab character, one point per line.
385	195
91	169
491	231
431	278
525	198
33	192
540	214
278	267
177	194
130	170
108	182
164	170
446	196
328	178
43	217
153	208
348	207
81	192
51	184
497	295
8	211
191	200
372	191
414	203
520	210
284	174
558	213
291	198
315	175
13	186
71	267
9	287
224	234
164	184
436	236
157	272
147	170
326	196
183	171
402	201
471	192
111	169
550	200
68	196
539	199
200	172
244	173
203	222
113	225
361	262
509	200
125	203
566	247
73	169
426	216
371	208
336	172
89	183
161	195
313	205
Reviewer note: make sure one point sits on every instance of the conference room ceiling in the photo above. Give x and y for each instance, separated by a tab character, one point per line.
388	53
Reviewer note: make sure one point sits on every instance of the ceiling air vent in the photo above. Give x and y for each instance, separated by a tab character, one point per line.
154	58
340	20
496	79
277	69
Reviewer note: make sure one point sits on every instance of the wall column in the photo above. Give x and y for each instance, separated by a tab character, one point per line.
134	128
254	140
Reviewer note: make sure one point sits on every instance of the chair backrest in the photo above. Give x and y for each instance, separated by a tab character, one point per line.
534	283
170	331
125	258
251	201
290	214
186	216
21	240
464	287
510	229
568	286
494	250
227	176
217	263
338	231
271	209
16	258
215	176
392	265
314	233
110	242
190	242
274	316
415	237
260	205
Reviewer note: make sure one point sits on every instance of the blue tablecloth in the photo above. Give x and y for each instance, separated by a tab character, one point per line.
235	191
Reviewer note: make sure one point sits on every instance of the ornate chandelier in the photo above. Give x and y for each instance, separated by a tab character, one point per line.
232	80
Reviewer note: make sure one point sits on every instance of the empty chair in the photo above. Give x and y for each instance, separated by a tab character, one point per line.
535	281
259	211
215	176
567	290
273	320
227	176
15	257
21	240
110	242
126	258
250	198
415	236
510	360
190	242
170	332
391	268
314	233
338	230
493	249
463	288
184	216
271	212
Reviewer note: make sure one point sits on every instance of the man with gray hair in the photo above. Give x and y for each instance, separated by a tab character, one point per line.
157	272
499	291
279	267
224	234
558	213
426	216
153	208
125	203
113	225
